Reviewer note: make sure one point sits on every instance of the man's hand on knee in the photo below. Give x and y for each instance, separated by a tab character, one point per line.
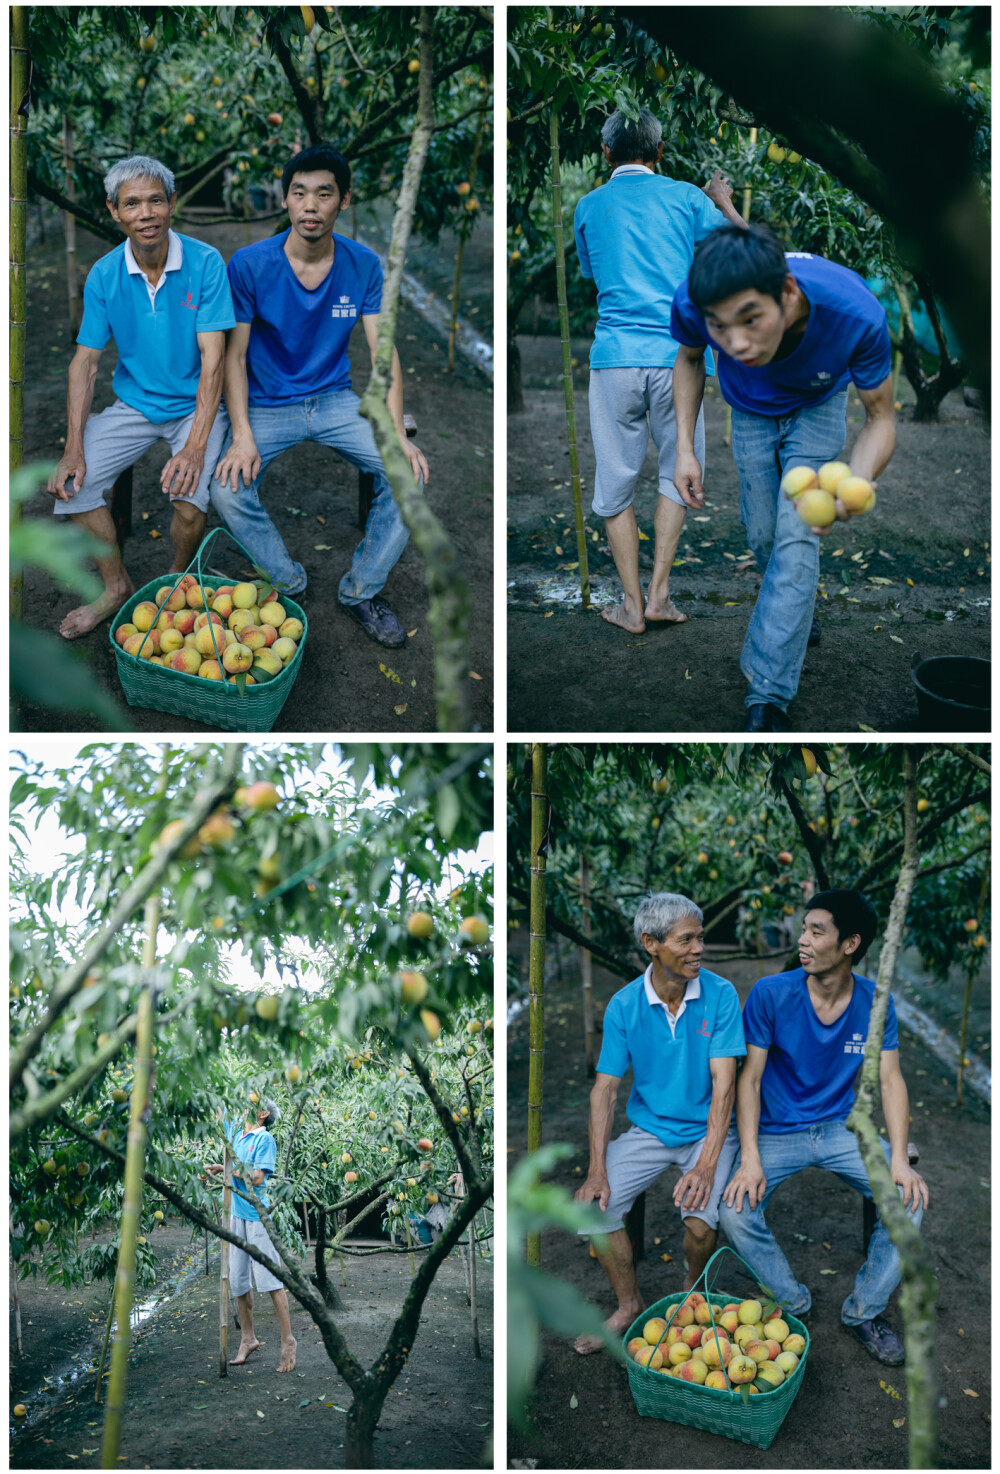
595	1187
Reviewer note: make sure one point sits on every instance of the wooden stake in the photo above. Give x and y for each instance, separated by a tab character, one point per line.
476	1351
15	1297
69	227
536	963
104	1347
587	966
227	1196
20	66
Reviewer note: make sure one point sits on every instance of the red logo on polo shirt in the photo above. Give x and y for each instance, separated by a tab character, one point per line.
704	1031
188	303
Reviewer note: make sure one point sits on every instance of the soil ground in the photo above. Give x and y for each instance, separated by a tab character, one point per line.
439	1414
843	1414
574	672
312	497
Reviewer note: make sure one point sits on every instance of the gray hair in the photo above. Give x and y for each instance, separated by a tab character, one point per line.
273	1114
137	167
627	140
660	912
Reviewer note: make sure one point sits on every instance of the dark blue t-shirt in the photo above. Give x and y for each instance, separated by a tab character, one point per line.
811	1066
298	337
846	338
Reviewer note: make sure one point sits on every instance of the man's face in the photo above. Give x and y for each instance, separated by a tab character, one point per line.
144	212
680	952
820	950
749	326
313	203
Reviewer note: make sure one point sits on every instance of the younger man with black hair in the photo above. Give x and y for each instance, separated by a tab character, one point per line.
805	1038
297	297
788	345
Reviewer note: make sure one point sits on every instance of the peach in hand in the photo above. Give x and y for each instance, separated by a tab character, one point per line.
798	479
831	475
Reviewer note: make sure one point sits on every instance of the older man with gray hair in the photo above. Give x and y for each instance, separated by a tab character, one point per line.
256	1154
165	300
679	1029
636	237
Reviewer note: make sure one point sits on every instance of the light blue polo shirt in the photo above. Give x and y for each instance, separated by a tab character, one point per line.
159	363
635	236
671	1076
253	1148
846	338
811	1066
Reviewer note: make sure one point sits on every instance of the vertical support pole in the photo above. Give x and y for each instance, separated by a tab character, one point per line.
536	963
16	1300
227	1197
69	227
587	967
20	65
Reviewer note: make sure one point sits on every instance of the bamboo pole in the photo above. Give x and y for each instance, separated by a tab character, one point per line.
450	602
587	966
409	1242
20	65
227	1195
69	227
16	1300
466	231
919	1285
536	963
135	1155
969	978
474	1311
567	365
104	1346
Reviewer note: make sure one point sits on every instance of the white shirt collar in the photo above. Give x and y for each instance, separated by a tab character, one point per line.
175	256
631	169
693	990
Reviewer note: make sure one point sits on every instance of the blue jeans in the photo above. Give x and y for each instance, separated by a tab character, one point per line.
329	419
787	553
834	1148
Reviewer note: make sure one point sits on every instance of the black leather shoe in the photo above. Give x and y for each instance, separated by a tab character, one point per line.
880	1341
765	717
815	633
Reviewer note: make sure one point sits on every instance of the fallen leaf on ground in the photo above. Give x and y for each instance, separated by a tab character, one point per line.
389	673
573	1402
969	1392
322	548
400	709
410	634
475	676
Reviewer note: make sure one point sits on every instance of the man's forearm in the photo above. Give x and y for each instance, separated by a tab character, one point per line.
731	213
719	1116
748	1120
237	395
602	1115
688	390
896	1109
207	401
873	448
82	378
394	398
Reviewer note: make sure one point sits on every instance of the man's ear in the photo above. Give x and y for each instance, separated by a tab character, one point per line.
659	154
112	210
852	944
607	153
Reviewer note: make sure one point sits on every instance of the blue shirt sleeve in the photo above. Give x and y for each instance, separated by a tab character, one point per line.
242	288
583	255
215	309
727	1036
95	330
266	1157
373	292
686	323
758	1018
707	217
615	1058
871	362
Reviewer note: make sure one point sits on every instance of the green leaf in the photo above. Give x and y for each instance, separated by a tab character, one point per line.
47	670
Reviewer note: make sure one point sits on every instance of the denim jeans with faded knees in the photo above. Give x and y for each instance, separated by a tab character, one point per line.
834	1148
787	553
328	419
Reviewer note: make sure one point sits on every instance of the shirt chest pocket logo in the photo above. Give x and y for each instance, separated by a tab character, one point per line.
345	309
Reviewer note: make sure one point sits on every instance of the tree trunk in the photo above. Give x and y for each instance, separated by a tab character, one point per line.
515	383
69	226
227	1196
359	1452
984	891
931	389
104	1346
567	373
16	1302
536	963
20	64
919	1286
587	967
450	604
474	1311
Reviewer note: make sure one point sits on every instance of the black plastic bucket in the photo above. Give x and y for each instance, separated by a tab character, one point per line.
953	693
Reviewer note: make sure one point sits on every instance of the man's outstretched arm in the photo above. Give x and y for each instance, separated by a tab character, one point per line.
689	390
394	398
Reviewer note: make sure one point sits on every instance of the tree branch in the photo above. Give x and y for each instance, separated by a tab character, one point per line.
894	851
374	127
93	222
968	755
444	1116
610	961
809	839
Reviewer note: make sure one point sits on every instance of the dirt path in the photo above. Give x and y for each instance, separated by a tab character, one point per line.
312	497
842	1417
438	1415
574	672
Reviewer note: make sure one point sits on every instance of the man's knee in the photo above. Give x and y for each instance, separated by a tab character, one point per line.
699	1231
186	513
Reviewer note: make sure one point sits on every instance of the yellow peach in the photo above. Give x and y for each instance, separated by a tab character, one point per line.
654	1328
273	613
186	660
123	633
816	508
770	1372
777	1329
284	649
678	1353
794	1343
787	1361
717	1354
755	1349
293	629
649	1357
742	1369
718	1381
797	480
171	640
145	615
637	1343
832	474
694	1370
211	670
749	1312
857	494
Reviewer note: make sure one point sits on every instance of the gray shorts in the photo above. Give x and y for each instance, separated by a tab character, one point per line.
117	437
637	1158
242	1267
627	405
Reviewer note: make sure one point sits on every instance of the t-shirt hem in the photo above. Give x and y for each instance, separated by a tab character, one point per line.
144	410
215	327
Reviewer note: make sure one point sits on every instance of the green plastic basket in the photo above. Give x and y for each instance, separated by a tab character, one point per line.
215	703
755	1421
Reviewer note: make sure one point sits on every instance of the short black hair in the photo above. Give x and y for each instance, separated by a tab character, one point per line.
317	156
735	259
852	915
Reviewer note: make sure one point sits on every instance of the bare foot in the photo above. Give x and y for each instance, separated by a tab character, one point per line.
617	1323
287	1362
245	1349
666	613
619	615
81	621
